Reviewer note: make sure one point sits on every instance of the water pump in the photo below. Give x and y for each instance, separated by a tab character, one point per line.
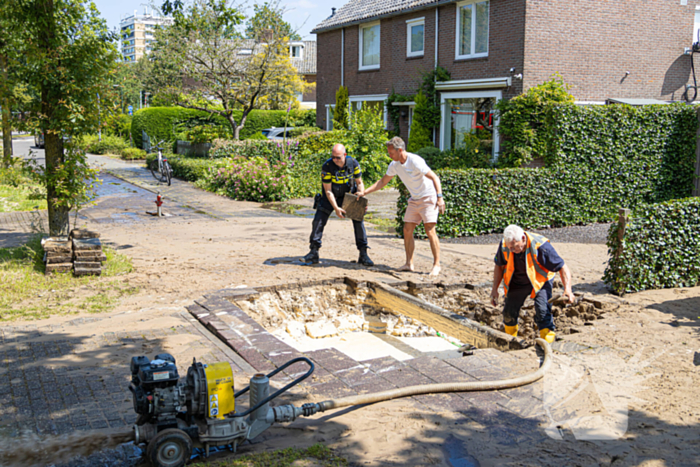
176	415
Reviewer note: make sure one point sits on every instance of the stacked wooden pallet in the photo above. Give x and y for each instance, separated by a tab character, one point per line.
87	252
58	254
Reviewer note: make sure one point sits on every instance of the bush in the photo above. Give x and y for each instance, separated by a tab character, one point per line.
109	144
244	179
303	130
468	157
191	169
162	123
659	248
16	175
420	134
119	125
133	154
526	122
274	151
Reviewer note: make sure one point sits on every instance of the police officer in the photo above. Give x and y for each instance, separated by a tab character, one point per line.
340	174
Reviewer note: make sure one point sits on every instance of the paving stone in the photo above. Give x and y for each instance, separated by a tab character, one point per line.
438	371
405	376
332	389
356	376
443	402
492	373
332	360
373	384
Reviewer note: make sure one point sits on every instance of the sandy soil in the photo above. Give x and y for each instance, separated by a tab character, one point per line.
650	343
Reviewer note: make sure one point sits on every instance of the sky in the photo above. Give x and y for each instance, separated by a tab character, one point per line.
303	15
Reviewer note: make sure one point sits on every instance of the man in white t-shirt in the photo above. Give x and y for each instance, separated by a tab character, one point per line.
425	203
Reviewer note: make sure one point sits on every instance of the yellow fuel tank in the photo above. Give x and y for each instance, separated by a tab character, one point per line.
220	389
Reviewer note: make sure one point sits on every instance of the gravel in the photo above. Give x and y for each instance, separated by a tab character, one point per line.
592	233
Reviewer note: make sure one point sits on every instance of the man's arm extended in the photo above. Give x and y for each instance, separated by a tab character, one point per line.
378	185
497	278
329	194
565	275
438	189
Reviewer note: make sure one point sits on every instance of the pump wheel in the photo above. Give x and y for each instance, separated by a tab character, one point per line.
169	448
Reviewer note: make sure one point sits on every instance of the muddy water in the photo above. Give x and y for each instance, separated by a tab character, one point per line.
31	450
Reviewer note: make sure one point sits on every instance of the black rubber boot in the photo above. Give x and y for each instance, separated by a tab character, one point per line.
364	258
311	257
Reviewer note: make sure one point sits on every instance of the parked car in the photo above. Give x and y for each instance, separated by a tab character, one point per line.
39	140
276	133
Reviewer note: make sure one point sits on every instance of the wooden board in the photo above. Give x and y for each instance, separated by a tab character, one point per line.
354	207
452	324
82	233
87	244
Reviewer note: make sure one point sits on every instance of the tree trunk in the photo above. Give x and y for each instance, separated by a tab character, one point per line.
59	221
6	118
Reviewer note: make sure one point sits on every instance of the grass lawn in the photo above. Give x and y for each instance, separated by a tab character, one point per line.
317	455
26	293
20	198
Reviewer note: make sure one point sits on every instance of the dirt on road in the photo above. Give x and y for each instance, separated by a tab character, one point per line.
623	390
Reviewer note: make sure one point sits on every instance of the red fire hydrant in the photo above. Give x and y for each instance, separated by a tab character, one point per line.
159	203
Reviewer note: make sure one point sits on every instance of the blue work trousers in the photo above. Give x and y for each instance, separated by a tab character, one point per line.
543	309
319	224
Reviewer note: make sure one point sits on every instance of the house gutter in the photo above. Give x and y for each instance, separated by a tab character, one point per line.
383	16
342	57
436	37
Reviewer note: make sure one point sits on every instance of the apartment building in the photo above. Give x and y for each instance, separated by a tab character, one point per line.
137	34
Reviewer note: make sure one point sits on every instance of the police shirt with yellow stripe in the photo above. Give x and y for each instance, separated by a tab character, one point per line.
340	178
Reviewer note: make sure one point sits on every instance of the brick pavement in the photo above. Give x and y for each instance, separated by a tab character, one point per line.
55	381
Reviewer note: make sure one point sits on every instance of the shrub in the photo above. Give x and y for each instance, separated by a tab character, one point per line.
109	144
366	141
526	122
302	130
420	133
340	112
132	154
468	157
119	125
191	169
274	151
248	179
659	248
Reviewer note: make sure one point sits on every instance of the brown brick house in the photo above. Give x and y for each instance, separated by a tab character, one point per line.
495	49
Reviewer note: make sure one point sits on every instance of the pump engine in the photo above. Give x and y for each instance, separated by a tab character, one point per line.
176	415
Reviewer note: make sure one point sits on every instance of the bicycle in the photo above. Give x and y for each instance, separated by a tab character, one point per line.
160	168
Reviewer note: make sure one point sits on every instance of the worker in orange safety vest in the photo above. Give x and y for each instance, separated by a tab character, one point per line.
527	263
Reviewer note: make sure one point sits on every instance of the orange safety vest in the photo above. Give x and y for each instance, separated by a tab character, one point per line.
537	274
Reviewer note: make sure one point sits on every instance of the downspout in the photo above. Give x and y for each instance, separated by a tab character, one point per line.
342	57
437	30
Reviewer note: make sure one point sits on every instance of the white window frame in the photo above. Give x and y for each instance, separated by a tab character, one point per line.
301	50
459	29
409	24
498	95
329	116
371	98
359	29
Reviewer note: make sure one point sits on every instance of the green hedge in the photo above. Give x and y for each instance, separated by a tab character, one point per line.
188	168
606	157
160	122
660	248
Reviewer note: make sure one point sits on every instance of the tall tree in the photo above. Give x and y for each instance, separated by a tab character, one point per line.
9	48
219	72
267	23
69	54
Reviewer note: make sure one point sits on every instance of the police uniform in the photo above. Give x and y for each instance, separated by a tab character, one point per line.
342	181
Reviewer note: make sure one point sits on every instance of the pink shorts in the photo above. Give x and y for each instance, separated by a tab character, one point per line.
423	209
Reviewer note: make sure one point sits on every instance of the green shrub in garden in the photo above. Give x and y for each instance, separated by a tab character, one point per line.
253	179
420	134
109	144
302	130
191	169
659	249
132	154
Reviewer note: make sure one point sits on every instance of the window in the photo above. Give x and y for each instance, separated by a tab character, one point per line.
415	37
295	51
369	46
696	28
469	123
374	101
329	116
472	29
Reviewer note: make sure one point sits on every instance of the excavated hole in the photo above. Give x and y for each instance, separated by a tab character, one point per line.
327	311
475	305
